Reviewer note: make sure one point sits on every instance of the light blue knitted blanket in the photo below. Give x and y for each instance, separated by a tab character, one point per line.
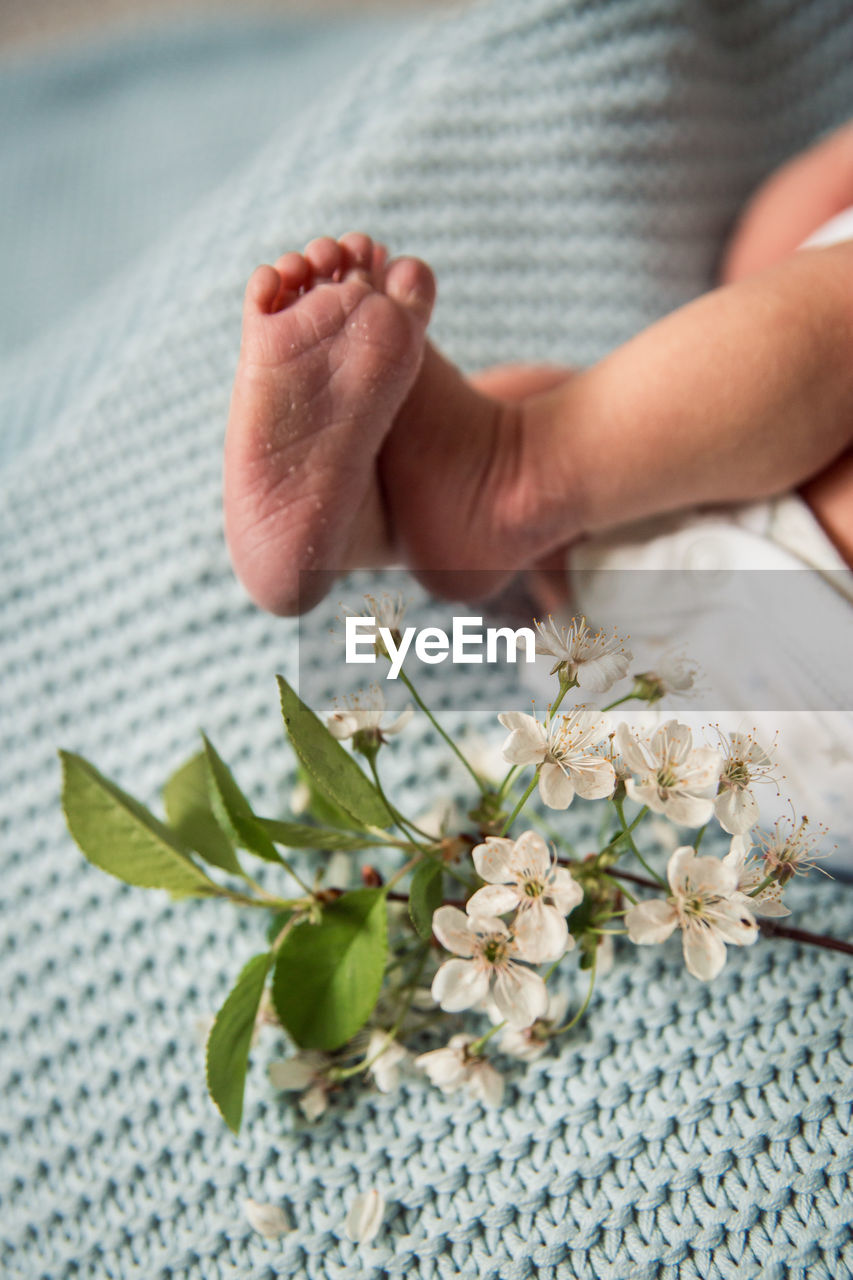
571	171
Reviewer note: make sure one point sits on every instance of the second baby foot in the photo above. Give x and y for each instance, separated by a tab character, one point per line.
333	340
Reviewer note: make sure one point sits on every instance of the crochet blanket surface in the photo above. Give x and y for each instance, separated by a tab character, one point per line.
571	171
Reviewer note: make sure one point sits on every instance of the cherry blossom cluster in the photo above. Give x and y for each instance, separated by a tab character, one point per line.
498	947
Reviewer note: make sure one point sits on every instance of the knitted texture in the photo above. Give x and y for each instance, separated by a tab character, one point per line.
571	171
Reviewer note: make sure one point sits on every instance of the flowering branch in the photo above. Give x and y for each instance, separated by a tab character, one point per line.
341	969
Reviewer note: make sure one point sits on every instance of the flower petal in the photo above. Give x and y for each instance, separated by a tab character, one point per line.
564	891
453	930
703	768
313	1103
686	809
650	921
734	921
459	984
594	778
364	1216
268	1219
678	869
541	933
445	1067
737	811
527	743
769	903
291	1073
531	858
644	792
739	847
630	750
400	722
704	951
521	995
516	719
555	786
342	725
486	1084
494	859
493	900
672	741
598	674
714	875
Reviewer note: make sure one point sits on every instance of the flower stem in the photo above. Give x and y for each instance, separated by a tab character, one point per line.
626	831
267	903
582	1010
402	823
698	840
565	686
510	774
404	870
765	883
628	697
624	834
522	802
476	1046
481	785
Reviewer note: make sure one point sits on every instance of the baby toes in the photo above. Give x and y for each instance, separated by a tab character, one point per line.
325	259
411	284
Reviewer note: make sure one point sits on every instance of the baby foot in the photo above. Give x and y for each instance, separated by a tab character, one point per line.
332	343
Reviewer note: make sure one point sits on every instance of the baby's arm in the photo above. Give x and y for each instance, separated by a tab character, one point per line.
741	394
791	205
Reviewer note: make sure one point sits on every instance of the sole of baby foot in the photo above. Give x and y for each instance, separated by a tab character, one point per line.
333	340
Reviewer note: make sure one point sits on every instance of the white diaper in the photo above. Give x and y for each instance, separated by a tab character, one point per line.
815	742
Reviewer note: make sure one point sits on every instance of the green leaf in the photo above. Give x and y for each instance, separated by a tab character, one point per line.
332	769
186	797
231	1038
328	975
232	809
320	808
119	835
300	835
426	895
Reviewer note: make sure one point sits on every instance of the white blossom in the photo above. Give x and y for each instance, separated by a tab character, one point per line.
490	956
304	1073
521	876
362	713
592	660
705	904
673	674
386	611
566	752
268	1219
453	1068
745	762
530	1043
364	1216
750	874
674	777
385	1057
